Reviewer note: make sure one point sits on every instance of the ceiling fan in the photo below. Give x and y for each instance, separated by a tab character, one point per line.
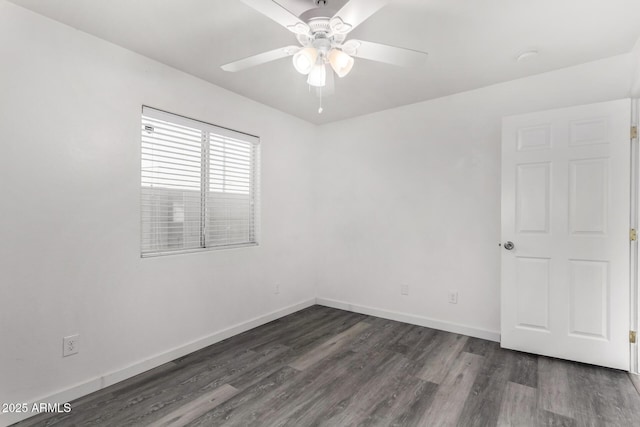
322	37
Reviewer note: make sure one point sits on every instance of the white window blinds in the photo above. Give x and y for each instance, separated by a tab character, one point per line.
199	185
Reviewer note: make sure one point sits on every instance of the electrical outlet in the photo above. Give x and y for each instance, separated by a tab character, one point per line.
404	289
276	288
70	345
453	297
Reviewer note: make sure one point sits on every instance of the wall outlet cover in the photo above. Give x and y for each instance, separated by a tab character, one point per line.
453	297
70	345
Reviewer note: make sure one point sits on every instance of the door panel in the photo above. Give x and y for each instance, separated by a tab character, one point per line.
532	280
532	193
566	208
588	196
588	299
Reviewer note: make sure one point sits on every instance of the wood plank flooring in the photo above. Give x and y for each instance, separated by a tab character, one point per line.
327	367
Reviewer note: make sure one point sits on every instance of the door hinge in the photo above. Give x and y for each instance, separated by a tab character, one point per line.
633	235
632	337
634	132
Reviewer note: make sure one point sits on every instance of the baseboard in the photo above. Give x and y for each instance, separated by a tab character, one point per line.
114	377
413	319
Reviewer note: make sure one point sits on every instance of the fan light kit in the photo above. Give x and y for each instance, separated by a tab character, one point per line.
324	49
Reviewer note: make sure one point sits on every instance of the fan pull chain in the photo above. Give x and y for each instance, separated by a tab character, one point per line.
320	108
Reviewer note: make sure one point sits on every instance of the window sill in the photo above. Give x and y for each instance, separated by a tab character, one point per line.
197	250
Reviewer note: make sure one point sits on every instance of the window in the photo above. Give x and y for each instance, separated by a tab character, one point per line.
199	185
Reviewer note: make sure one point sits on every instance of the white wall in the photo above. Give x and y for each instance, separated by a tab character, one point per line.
412	196
70	109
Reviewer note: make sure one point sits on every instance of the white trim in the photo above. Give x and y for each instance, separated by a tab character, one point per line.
98	383
633	246
413	319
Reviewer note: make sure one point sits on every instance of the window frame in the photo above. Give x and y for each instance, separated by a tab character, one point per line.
206	130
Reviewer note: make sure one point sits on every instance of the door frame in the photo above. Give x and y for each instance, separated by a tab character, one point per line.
634	302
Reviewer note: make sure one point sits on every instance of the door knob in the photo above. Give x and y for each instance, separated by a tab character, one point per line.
509	246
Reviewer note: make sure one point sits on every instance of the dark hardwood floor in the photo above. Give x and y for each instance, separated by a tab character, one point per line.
327	367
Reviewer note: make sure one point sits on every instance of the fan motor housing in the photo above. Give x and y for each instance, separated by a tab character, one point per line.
323	44
325	12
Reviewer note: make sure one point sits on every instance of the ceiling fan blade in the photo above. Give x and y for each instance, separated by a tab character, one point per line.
384	53
260	58
279	14
354	13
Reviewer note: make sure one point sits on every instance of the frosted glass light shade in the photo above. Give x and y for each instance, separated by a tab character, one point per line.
317	76
304	60
340	62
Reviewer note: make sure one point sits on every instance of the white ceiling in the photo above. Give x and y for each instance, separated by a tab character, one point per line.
470	44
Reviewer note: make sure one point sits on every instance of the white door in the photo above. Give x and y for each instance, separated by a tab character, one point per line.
566	209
